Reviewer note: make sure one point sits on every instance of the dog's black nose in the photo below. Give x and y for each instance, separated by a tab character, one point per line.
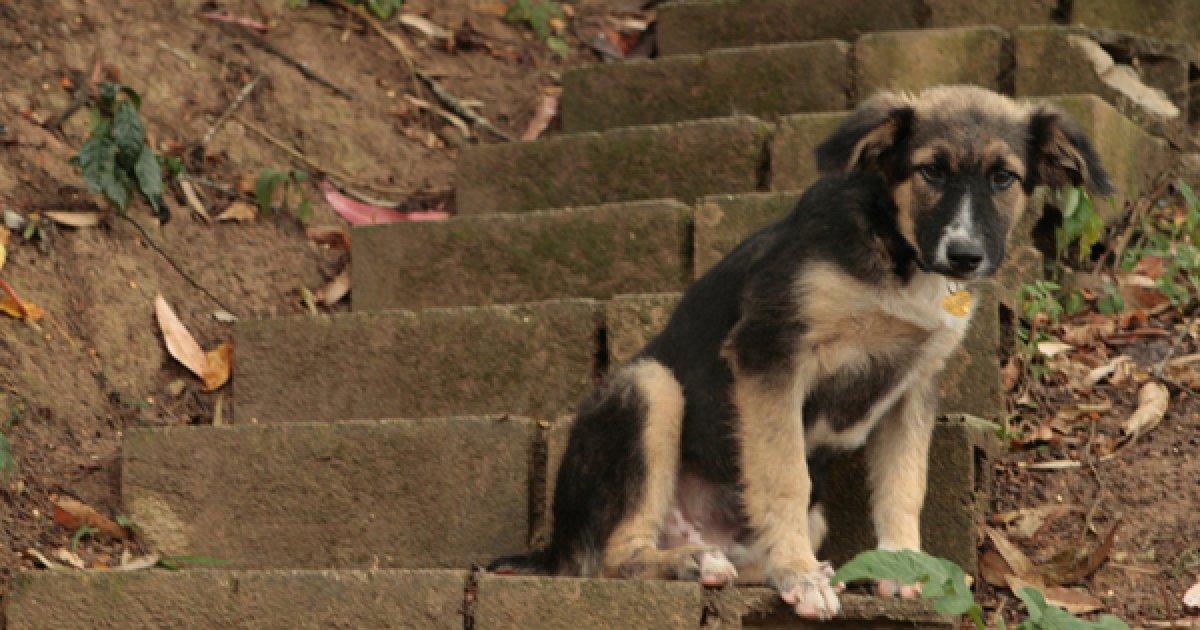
964	256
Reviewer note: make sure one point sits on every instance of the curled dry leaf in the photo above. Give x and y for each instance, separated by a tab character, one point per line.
1105	371
1191	598
238	211
218	366
1018	562
331	235
358	213
335	290
137	564
1052	348
180	342
43	560
193	200
546	111
68	558
73	514
1152	406
89	218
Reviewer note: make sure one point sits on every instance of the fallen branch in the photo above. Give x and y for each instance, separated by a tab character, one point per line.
237	102
180	270
300	66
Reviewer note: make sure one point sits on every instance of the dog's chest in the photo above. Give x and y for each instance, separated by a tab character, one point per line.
887	347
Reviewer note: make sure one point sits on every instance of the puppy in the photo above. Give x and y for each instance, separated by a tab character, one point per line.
822	333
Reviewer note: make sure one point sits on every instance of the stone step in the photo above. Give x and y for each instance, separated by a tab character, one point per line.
236	599
684	161
697	26
761	81
592	252
535	359
425	493
413	599
775	80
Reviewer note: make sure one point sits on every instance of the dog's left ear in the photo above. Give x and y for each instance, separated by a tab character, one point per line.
1060	153
863	137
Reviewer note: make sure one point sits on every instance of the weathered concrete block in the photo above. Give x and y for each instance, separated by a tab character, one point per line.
761	607
1002	13
683	161
691	27
793	162
1133	157
762	81
505	258
630	321
954	497
226	599
970	382
533	359
1083	66
555	439
915	60
440	492
1172	19
575	603
724	221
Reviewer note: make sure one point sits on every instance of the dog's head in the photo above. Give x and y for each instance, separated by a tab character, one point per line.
961	162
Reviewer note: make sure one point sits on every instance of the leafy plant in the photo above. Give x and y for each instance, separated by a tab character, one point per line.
1080	222
383	9
540	15
115	160
287	186
1041	297
945	583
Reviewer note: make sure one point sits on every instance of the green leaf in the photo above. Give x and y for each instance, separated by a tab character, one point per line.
1111	303
8	463
941	580
559	46
84	530
1069	199
1043	616
265	186
384	9
97	161
149	174
304	212
129	133
176	563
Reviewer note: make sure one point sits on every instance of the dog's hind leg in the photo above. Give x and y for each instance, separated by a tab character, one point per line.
632	549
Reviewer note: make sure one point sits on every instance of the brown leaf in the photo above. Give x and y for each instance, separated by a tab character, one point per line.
1150	266
993	568
1152	406
13	305
1105	371
83	219
1016	559
239	211
335	290
218	366
546	111
73	514
1010	374
1075	602
193	200
180	342
1140	291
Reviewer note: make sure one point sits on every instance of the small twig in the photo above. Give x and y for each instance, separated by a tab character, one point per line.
237	102
180	270
302	67
313	164
453	103
1140	207
1178	339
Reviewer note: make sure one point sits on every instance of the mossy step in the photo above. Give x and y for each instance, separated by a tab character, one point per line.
405	493
684	161
593	252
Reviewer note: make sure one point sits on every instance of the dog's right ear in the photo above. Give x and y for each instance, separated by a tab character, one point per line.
876	126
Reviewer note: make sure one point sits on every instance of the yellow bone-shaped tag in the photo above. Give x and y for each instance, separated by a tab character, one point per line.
958	303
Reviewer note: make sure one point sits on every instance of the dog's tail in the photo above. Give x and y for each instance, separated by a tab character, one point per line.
540	562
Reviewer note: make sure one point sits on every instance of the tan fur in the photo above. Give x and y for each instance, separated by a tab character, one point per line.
897	461
633	545
903	196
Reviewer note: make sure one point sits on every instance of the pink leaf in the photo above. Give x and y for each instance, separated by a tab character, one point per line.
359	213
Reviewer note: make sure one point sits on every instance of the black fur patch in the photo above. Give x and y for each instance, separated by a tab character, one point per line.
844	398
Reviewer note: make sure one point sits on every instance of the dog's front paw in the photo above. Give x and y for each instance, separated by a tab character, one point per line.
810	593
892	588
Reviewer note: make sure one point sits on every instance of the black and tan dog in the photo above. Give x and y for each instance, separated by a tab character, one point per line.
823	332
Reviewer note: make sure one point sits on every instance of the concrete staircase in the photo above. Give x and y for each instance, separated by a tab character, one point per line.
377	455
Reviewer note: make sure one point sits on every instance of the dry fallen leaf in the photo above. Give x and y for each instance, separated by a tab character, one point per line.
358	213
193	200
333	236
1140	291
137	564
68	558
43	560
1030	520
218	367
1105	371
1152	406
1191	598
239	211
14	306
73	514
1010	374
993	568
425	27
1018	562
335	290
180	342
84	219
1075	602
545	113
1052	348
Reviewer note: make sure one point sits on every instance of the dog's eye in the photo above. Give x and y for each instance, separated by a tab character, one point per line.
1002	180
932	173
